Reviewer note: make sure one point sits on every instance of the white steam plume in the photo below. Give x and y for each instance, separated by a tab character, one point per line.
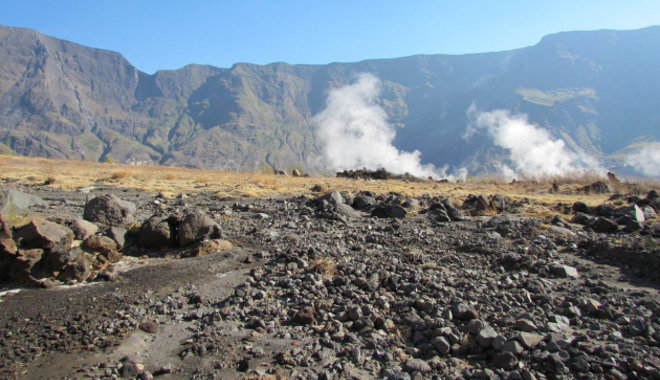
533	152
646	160
355	133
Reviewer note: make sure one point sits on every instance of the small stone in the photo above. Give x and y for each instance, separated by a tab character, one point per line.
525	325
512	346
441	345
129	370
529	340
605	225
505	360
563	270
591	306
486	336
416	365
475	325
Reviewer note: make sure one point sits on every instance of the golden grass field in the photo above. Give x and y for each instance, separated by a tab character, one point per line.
71	175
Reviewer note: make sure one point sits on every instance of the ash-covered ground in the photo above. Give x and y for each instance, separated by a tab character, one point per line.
329	286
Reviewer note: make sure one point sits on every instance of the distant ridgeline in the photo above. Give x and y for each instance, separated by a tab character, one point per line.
598	91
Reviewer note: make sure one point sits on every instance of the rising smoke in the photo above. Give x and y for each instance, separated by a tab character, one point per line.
533	152
646	160
355	133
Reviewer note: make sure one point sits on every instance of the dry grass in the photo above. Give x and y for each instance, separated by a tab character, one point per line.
121	174
323	266
71	175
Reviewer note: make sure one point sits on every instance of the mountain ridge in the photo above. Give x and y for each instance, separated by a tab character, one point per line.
64	100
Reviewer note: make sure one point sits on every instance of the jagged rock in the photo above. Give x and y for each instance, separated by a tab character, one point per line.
485	336
15	202
498	203
82	228
604	210
25	267
441	345
582	218
455	214
58	260
562	270
416	365
109	210
333	198
103	245
475	204
118	234
44	234
348	212
525	325
362	202
7	255
505	360
296	173
77	270
649	213
605	225
389	211
598	187
529	340
5	231
580	207
196	227
653	200
155	232
512	346
638	214
440	215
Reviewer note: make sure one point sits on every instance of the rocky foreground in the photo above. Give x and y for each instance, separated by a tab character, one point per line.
122	284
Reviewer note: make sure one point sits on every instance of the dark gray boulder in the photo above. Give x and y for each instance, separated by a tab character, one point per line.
26	268
155	232
83	228
196	227
605	225
44	234
389	211
77	270
363	202
118	234
104	246
109	210
58	260
347	211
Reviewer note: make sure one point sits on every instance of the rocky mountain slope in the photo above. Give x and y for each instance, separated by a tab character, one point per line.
596	90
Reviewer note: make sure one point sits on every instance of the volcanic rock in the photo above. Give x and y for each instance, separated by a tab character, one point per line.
109	210
605	225
155	232
44	234
82	228
196	227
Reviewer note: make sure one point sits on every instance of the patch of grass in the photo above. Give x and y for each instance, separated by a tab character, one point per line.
121	174
324	266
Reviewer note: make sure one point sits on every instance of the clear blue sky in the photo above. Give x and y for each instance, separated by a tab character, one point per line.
168	34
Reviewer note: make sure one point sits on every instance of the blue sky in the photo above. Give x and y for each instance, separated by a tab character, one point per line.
169	34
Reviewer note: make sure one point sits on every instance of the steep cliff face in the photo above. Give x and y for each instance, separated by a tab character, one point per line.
596	90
